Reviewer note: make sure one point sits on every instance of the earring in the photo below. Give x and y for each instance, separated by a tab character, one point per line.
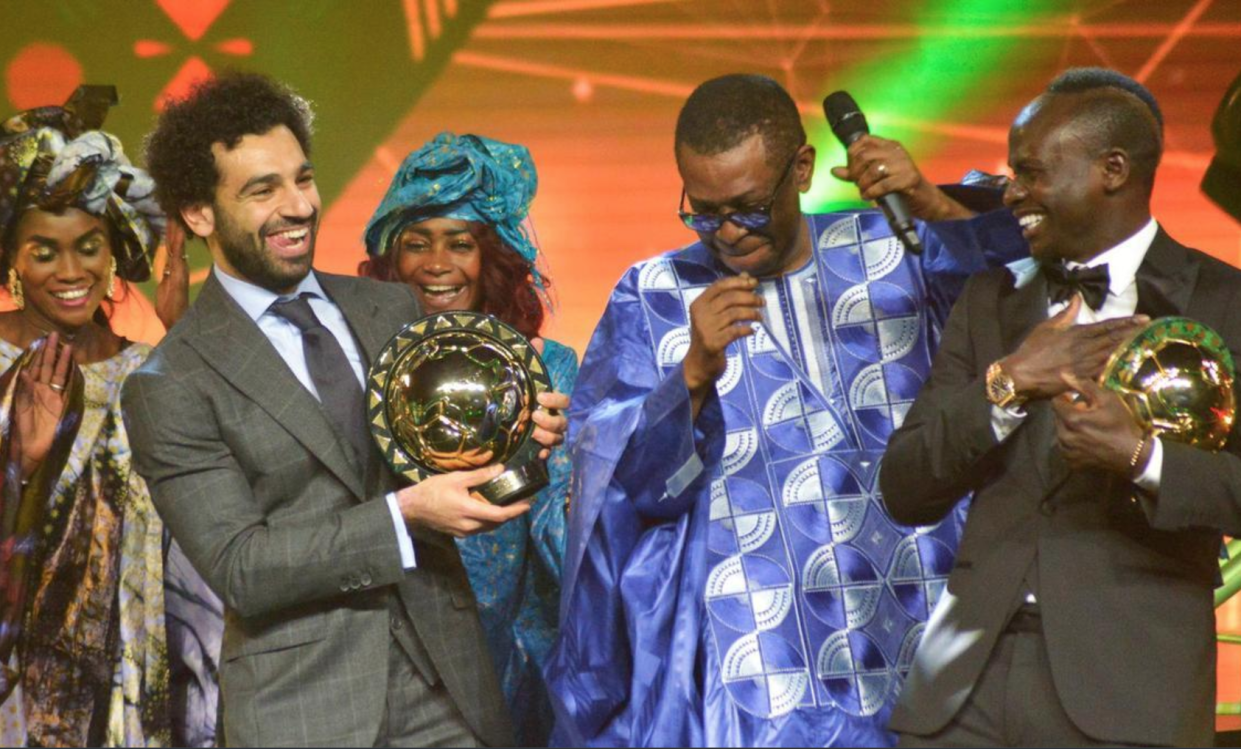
111	292
15	289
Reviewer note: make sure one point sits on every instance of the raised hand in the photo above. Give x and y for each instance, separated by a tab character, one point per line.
721	315
445	503
879	166
1094	429
40	401
172	295
1058	352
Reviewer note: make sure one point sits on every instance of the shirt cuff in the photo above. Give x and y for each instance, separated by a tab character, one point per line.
1004	421
1148	480
404	541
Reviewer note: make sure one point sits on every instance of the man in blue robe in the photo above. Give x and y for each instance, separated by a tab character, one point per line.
732	578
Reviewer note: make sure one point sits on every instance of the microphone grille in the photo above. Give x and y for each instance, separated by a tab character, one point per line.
839	105
844	117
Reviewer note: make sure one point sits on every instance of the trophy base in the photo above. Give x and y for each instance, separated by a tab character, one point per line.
518	482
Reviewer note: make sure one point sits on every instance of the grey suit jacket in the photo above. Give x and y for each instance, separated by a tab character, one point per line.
1124	586
271	509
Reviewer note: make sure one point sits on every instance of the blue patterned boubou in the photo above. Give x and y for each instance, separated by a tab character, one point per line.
735	580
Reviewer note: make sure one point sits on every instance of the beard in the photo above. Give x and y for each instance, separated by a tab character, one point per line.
249	256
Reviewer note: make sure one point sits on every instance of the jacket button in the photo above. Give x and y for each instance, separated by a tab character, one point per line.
344	584
366	578
396	622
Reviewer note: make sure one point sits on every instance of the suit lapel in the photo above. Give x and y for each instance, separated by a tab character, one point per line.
360	312
232	344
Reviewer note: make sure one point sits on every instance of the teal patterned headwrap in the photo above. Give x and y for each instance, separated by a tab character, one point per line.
465	177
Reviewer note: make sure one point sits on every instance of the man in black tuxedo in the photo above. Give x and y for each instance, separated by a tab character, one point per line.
1080	608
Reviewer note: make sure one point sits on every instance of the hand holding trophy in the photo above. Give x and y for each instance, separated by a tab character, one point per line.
1172	379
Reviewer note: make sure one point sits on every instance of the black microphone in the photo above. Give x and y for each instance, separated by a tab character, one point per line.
849	124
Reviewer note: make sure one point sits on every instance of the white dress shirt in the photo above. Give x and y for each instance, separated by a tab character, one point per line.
287	339
1123	262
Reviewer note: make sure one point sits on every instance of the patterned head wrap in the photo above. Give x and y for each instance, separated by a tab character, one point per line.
465	177
53	158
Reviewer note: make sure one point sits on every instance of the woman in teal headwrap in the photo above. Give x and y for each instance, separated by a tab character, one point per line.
451	228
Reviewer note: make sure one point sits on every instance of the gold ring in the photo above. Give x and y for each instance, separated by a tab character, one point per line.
882	169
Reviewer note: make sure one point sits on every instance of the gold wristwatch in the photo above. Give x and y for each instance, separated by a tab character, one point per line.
1001	390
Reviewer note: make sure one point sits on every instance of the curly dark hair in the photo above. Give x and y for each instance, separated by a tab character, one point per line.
223	109
505	282
725	111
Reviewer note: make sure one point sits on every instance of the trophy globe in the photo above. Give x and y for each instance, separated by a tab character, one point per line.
457	391
1176	377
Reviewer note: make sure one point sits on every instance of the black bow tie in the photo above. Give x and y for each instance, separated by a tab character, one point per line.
1091	283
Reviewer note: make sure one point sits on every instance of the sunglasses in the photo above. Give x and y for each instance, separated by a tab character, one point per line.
750	219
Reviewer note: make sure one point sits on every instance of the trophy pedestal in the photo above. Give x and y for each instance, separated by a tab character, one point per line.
524	475
518	482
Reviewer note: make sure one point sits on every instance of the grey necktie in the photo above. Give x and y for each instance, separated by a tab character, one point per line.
339	393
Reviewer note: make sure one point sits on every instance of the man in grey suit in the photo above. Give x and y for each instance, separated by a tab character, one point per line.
349	619
1080	610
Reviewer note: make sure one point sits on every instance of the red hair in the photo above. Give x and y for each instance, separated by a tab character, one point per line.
506	283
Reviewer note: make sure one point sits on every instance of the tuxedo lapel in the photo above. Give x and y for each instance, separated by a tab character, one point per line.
1166	278
232	344
1020	310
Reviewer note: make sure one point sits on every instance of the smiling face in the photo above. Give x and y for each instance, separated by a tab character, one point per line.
739	180
1060	183
261	227
62	260
441	261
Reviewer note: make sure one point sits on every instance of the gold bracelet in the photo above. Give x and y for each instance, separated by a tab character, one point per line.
1137	451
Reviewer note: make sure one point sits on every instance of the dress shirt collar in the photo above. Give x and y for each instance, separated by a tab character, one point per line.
1123	261
256	300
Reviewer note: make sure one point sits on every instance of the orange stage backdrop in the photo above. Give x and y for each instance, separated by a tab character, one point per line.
593	88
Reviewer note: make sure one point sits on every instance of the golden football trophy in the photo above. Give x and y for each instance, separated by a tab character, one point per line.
457	391
1176	377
